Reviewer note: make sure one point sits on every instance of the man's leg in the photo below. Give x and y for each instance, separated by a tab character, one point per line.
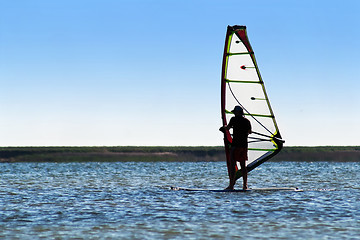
244	174
232	171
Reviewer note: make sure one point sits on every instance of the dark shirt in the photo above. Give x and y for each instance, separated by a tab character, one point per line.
241	127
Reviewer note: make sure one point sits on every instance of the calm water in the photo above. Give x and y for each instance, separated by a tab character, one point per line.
133	201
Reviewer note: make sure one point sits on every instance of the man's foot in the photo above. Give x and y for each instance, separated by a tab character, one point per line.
245	187
229	188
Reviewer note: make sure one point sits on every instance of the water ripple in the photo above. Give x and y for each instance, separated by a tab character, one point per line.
133	201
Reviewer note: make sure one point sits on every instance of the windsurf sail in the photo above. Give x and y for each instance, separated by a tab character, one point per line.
241	84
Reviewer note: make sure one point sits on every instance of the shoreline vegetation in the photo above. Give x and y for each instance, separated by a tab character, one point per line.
168	154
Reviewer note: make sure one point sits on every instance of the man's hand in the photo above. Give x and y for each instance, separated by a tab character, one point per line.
222	129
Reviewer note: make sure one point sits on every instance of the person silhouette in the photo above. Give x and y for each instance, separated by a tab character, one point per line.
239	147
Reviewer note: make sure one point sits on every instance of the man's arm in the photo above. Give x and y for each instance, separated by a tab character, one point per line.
223	128
227	127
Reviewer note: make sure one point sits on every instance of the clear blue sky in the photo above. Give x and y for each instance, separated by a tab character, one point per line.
143	72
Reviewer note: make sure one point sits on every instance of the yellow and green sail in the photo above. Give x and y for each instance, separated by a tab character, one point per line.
241	84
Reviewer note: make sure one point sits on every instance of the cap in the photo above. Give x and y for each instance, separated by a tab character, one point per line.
238	109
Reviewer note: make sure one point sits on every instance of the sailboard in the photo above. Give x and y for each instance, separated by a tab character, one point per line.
270	189
241	84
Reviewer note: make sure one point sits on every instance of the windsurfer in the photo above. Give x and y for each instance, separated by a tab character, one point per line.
239	146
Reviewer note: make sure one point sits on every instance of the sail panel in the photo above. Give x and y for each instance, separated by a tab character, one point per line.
236	45
241	67
252	98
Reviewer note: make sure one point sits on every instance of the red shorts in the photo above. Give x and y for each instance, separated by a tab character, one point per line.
239	154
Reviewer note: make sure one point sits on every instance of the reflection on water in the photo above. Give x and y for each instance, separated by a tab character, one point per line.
132	200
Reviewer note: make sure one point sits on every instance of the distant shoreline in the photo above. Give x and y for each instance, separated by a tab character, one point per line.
169	154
